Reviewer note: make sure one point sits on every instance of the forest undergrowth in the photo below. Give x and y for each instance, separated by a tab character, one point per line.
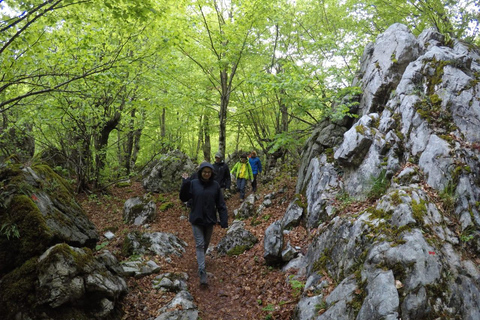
240	287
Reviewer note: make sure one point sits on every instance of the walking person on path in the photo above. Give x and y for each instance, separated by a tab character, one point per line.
206	199
222	172
256	165
243	172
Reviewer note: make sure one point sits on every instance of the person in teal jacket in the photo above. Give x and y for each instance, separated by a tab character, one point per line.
256	165
243	172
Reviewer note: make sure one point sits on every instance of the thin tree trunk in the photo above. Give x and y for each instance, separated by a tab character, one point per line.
200	136
207	147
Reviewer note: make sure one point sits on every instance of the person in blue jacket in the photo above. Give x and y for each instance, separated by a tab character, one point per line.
206	199
256	165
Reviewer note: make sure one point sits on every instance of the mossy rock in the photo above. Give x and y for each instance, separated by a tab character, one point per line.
34	235
235	251
18	289
40	207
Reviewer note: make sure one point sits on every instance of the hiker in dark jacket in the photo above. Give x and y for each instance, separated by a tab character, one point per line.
222	172
207	198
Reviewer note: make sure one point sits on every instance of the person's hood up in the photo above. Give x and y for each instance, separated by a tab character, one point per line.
205	165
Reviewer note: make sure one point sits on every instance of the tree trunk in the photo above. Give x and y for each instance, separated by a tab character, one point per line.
128	151
81	158
207	147
162	124
224	99
101	142
200	136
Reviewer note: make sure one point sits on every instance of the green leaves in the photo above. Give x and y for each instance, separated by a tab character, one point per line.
262	72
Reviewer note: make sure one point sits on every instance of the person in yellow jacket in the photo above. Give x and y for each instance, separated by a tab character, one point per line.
243	172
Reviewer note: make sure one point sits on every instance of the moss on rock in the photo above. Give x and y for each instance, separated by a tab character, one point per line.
34	235
18	290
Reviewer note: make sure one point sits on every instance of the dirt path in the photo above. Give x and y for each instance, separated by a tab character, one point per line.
240	287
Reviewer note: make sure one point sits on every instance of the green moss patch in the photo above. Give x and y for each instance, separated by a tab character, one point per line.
18	290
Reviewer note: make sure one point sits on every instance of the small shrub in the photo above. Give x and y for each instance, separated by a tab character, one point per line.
379	185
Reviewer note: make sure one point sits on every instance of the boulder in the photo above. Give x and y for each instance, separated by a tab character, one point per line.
160	243
165	174
39	210
64	282
139	211
273	244
237	240
182	307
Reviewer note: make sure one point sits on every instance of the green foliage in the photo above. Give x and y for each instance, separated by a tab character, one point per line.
379	185
237	250
296	285
9	230
99	247
466	237
269	307
448	197
284	140
468	234
419	210
110	97
166	205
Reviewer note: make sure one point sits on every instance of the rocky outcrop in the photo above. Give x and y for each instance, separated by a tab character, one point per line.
413	153
48	269
164	174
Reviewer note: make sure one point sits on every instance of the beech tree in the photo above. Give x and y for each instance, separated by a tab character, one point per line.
111	84
218	41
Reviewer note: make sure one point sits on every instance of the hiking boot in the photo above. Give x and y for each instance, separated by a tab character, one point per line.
203	277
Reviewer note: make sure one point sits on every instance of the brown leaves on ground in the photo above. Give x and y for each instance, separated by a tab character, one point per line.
240	287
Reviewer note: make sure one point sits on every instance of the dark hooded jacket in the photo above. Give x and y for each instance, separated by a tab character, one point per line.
222	174
207	198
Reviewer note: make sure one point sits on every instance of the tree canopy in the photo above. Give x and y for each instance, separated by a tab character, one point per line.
102	87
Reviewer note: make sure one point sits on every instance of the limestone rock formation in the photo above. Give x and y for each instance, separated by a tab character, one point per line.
415	149
47	266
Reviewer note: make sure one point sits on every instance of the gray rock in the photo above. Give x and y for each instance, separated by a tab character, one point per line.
164	175
289	253
237	240
139	211
172	282
139	267
182	307
69	275
160	243
307	308
324	185
273	243
246	209
419	125
382	301
293	215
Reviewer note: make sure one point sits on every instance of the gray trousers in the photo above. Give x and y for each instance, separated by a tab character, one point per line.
202	236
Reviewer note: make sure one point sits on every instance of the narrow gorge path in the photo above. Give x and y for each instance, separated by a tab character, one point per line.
240	287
